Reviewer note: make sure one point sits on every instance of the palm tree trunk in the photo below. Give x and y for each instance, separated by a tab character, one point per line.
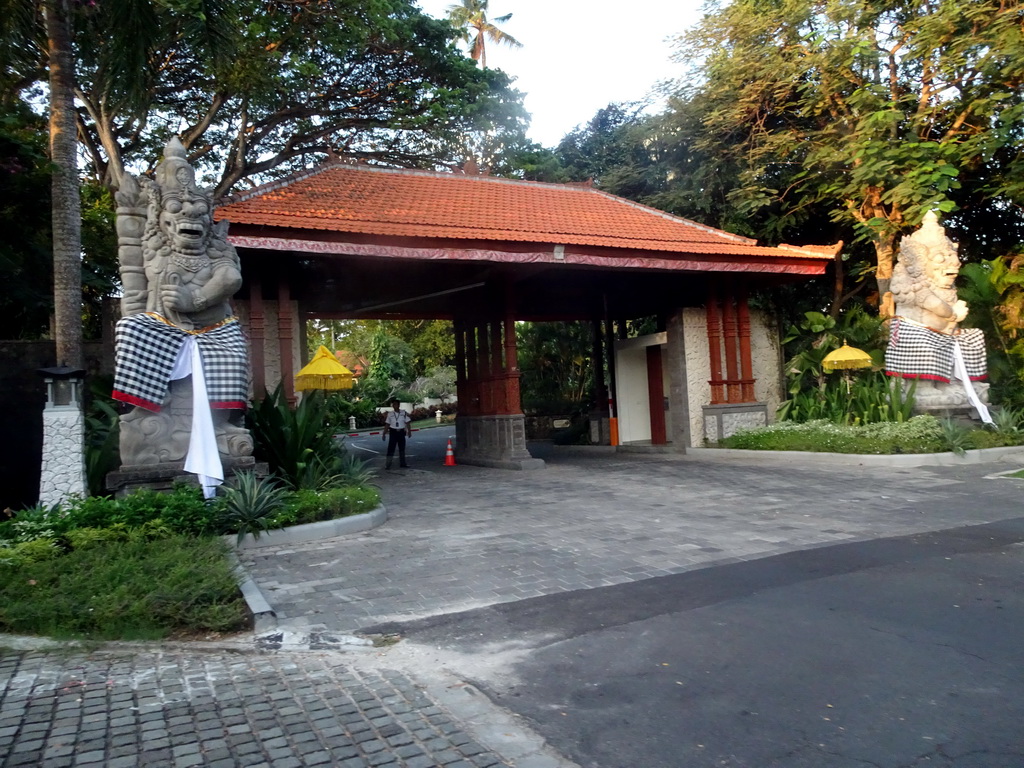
66	205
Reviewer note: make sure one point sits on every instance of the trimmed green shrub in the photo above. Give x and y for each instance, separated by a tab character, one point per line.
921	434
309	506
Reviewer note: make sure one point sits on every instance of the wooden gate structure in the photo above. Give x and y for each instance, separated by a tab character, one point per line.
350	241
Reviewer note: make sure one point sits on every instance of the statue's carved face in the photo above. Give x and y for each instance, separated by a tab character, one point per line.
941	265
186	221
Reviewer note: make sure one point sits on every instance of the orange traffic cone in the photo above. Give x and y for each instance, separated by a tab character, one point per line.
449	457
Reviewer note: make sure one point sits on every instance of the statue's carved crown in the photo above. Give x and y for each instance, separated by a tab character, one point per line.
174	175
928	247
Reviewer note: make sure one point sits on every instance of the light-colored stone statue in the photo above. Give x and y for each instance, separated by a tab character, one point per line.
179	272
926	342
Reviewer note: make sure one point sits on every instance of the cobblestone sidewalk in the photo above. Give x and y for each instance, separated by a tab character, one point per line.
174	709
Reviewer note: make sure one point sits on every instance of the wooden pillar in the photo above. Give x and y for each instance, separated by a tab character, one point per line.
746	360
286	334
600	404
513	404
257	338
497	383
715	347
460	361
731	333
656	395
472	405
609	336
484	369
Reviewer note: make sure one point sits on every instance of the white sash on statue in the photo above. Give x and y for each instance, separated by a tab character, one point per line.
960	372
203	458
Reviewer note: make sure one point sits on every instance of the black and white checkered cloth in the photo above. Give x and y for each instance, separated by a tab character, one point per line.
917	352
146	347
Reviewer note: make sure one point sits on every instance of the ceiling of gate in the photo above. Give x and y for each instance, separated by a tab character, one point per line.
354	241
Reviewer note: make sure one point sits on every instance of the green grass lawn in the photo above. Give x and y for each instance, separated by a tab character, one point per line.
125	590
147	566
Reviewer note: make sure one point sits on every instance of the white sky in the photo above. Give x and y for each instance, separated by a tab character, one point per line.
580	55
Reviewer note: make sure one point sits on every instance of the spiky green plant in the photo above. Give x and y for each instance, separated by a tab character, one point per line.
295	442
955	436
250	503
1007	420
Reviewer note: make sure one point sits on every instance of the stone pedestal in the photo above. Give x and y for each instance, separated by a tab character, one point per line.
494	441
165	476
946	399
163	437
63	470
721	421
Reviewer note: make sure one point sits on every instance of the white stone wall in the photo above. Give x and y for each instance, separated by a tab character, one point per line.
63	471
732	422
766	358
766	353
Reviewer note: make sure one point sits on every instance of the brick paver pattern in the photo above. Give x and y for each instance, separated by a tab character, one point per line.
465	537
223	710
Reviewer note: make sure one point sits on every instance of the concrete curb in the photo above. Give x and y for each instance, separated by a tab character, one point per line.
264	618
326	529
948	459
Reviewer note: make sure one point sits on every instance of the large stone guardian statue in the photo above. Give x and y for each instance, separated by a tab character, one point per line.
926	342
181	357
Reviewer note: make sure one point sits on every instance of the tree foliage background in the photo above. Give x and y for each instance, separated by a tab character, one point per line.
800	121
255	88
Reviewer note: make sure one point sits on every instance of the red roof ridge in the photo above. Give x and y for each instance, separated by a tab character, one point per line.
673	217
284	181
821	250
355	165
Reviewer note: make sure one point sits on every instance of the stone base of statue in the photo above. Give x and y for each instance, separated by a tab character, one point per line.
947	400
154	444
165	477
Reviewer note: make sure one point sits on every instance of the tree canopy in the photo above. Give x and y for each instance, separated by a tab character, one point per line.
878	111
273	86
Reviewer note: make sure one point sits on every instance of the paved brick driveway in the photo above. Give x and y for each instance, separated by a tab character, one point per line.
465	537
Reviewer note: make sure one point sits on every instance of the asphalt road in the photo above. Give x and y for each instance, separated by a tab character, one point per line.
424	450
895	652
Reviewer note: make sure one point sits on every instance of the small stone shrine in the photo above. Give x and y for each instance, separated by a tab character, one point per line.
926	342
180	354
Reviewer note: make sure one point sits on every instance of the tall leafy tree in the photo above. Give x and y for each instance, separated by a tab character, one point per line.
877	111
420	345
39	43
556	364
470	17
65	215
371	80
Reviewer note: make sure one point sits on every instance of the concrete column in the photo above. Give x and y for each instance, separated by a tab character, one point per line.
678	396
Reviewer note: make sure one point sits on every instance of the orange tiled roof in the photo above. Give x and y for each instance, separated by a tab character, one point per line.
405	203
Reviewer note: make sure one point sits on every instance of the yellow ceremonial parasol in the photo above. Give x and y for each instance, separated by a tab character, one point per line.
323	372
846	357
